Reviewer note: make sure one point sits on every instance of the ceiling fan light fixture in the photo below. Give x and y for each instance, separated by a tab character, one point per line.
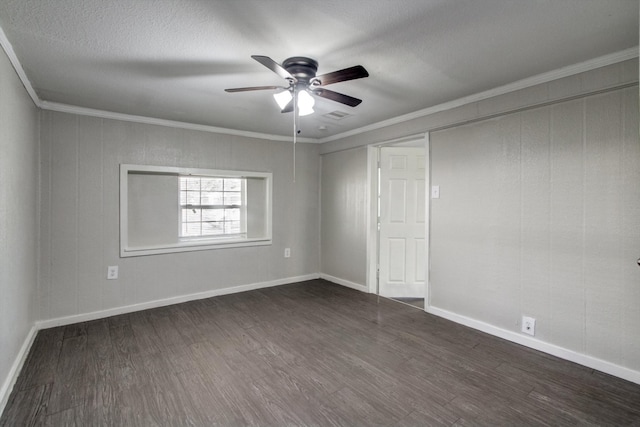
305	111
305	103
283	98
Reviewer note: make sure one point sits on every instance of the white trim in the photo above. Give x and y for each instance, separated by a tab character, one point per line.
191	246
527	341
343	282
82	111
127	250
427	218
372	218
85	317
570	70
8	49
18	363
401	140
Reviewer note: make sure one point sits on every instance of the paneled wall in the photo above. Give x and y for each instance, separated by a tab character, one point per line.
597	79
18	219
539	215
80	214
344	207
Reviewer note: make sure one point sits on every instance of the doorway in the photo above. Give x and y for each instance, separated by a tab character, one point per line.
399	248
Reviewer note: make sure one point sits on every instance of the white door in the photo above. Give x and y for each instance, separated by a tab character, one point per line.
402	222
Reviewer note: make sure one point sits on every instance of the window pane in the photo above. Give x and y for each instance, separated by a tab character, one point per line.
191	229
231	184
213	215
212	184
232	227
232	199
212	228
212	198
191	184
190	197
232	214
191	215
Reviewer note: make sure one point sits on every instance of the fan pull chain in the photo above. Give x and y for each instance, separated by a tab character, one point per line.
295	129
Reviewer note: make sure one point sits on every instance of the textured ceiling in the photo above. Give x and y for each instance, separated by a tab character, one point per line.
172	59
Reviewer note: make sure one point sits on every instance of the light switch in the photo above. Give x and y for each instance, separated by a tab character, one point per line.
435	191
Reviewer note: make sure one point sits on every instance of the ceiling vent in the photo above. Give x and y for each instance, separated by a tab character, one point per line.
336	115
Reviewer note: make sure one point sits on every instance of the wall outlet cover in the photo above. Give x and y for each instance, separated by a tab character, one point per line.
112	272
528	325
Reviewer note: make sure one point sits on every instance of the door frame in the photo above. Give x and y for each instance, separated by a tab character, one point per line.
373	250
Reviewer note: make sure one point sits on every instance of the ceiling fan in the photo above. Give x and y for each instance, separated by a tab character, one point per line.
300	73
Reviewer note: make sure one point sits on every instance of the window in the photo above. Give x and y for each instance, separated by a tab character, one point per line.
168	209
212	207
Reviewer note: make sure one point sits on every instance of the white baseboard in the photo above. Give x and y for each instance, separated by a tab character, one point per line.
563	353
84	317
11	379
527	341
343	282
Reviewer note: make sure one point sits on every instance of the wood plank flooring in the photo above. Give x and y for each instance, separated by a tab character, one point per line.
306	354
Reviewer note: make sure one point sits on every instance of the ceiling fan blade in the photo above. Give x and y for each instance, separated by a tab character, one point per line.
247	89
274	66
288	108
351	73
338	97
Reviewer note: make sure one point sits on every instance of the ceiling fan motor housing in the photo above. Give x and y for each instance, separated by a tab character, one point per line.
302	68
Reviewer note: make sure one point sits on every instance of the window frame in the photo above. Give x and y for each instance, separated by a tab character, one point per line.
242	210
186	244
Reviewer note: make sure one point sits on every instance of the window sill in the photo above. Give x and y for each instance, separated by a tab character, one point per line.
192	245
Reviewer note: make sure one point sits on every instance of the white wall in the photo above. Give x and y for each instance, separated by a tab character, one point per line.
80	225
343	223
18	220
539	215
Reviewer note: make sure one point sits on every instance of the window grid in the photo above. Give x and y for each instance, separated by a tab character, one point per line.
211	207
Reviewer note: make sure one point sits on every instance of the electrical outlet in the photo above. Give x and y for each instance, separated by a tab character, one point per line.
528	325
112	272
287	252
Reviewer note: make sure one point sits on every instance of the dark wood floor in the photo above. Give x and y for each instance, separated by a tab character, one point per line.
416	302
311	353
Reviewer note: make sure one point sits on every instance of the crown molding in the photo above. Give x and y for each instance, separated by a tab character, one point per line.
8	49
570	70
66	108
83	111
567	71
